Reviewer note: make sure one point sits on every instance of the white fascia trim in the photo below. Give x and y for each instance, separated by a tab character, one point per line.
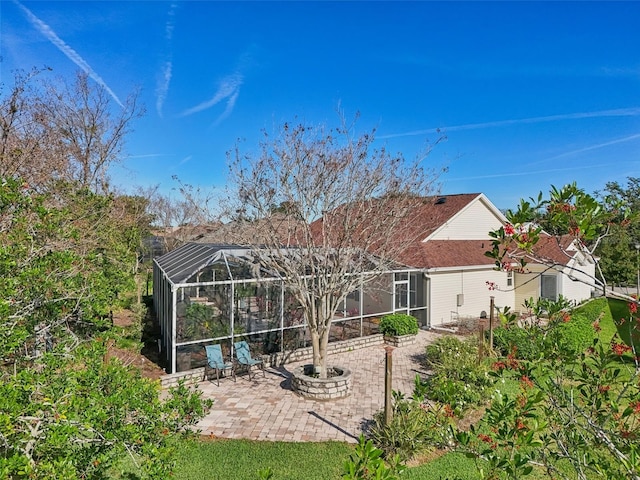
457	269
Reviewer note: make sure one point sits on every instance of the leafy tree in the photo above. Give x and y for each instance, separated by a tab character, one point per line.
68	249
617	252
78	416
340	201
577	410
577	222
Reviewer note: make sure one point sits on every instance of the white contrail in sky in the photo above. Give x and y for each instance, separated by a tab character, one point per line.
594	147
227	111
67	50
527	172
229	88
566	154
620	112
167	69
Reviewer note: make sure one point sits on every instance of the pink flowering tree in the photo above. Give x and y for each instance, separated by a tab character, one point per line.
580	411
573	219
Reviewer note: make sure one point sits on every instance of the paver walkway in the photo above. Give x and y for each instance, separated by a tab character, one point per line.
265	408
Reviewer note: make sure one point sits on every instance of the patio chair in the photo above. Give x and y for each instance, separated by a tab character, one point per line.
243	356
216	362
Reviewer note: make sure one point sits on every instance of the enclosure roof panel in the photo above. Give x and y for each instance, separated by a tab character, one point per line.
186	260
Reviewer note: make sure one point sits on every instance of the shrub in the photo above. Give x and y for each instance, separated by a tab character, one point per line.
458	379
415	426
525	343
366	463
398	324
573	337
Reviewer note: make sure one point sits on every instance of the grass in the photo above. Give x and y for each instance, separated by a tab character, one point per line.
614	319
242	459
451	466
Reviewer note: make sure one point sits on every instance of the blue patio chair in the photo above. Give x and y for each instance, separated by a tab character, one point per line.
216	362
243	356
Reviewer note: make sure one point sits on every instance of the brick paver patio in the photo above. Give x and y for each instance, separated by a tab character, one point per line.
265	408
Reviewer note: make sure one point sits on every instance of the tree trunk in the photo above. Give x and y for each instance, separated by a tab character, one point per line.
320	335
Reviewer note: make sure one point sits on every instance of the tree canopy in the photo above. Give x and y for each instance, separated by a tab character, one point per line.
320	202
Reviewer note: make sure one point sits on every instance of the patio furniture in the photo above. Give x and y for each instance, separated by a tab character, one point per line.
215	361
243	356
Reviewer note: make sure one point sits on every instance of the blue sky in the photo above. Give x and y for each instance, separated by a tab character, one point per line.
528	94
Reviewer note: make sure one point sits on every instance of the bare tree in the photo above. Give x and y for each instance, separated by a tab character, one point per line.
90	134
23	141
53	130
324	208
182	217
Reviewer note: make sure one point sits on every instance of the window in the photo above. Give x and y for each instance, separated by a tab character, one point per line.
509	279
549	287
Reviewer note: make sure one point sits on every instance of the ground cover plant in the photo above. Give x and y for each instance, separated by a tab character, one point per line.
458	379
416	425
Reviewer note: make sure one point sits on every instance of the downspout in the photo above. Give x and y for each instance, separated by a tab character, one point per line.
232	316
174	336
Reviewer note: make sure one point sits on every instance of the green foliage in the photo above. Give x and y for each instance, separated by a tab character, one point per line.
548	327
547	308
76	417
567	211
618	258
458	379
366	463
525	343
572	337
265	474
64	260
512	437
398	324
577	408
415	426
533	341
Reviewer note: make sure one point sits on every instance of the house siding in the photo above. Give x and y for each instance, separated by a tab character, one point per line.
577	290
473	223
445	287
528	284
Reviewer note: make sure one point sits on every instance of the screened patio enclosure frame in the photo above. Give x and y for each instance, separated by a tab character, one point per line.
210	293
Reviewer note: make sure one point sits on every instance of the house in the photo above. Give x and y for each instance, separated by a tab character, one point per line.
210	292
557	267
459	279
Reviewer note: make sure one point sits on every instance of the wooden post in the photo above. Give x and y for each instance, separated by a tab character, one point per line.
480	341
388	368
492	307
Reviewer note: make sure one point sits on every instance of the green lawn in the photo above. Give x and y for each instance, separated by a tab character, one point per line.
242	459
615	319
